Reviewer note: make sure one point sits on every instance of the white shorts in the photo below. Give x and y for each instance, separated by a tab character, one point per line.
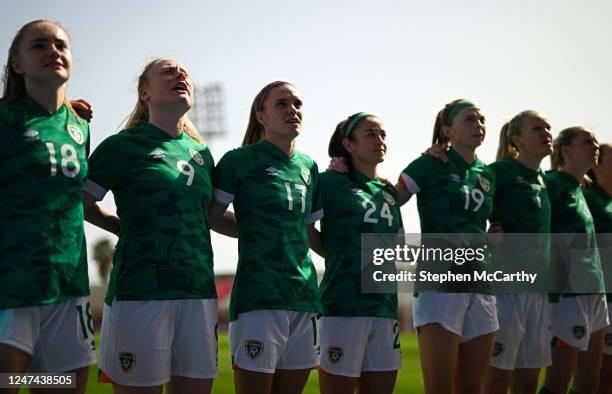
523	339
351	345
266	340
58	337
468	315
608	334
144	343
574	319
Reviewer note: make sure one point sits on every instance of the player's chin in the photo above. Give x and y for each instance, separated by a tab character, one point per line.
294	130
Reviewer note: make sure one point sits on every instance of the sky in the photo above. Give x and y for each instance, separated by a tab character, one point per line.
400	60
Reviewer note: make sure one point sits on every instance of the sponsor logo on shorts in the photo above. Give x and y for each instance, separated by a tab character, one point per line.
498	348
126	360
197	157
334	354
76	133
579	331
253	348
389	198
608	339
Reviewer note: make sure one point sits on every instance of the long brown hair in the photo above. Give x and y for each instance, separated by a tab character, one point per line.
140	113
513	127
443	118
255	131
336	147
13	83
564	138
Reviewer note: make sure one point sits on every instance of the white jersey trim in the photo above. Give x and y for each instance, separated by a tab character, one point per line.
96	191
222	197
411	185
315	216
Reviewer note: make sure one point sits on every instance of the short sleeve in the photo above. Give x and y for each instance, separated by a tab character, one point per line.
415	175
225	178
316	212
107	166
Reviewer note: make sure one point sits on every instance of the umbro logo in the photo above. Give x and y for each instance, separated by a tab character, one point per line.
31	135
157	154
356	191
272	171
455	178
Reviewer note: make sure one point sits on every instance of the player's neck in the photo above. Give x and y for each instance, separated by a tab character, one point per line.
51	98
366	169
530	161
286	145
169	123
468	154
576	171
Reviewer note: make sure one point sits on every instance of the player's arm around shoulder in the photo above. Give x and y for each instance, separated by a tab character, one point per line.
414	177
225	180
101	178
324	182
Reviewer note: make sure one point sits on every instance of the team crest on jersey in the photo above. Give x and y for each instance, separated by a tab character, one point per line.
388	198
253	348
76	133
485	184
157	154
608	339
497	349
455	178
197	157
579	331
306	176
126	361
272	171
334	354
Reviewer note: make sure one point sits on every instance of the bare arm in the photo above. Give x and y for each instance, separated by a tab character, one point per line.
99	216
226	224
315	240
216	211
403	195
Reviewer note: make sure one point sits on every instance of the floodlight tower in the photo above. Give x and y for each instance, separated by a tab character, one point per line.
208	112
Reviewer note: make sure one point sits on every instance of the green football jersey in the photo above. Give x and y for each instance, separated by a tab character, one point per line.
573	222
522	206
600	205
354	205
273	196
521	200
162	188
43	166
452	197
